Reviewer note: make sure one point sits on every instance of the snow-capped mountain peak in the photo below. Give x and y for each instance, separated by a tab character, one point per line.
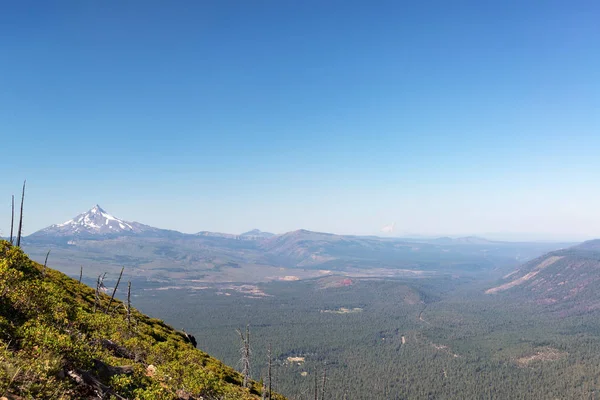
96	221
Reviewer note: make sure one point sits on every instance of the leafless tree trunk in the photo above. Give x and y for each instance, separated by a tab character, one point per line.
245	350
99	285
269	372
323	386
248	355
97	290
21	217
45	263
80	273
12	219
129	305
316	387
114	291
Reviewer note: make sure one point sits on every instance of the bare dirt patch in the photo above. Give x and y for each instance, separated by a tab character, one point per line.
296	360
289	278
252	291
444	349
541	354
343	310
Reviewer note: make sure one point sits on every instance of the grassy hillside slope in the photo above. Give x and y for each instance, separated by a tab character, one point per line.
53	344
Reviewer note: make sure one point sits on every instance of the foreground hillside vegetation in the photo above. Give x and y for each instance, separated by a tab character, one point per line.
58	342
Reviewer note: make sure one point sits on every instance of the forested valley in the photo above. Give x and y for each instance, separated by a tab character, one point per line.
393	339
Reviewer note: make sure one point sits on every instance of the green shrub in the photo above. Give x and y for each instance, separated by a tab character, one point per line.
47	327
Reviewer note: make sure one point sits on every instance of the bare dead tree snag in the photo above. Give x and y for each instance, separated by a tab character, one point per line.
99	285
21	217
129	305
12	219
316	387
80	273
97	294
248	355
245	350
114	291
323	385
45	263
269	372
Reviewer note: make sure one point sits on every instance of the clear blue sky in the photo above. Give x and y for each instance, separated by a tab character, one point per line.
447	117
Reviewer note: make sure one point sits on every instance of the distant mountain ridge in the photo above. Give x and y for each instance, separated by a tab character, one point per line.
99	238
258	234
463	240
568	276
98	223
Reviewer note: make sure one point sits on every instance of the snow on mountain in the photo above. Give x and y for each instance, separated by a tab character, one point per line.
94	222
